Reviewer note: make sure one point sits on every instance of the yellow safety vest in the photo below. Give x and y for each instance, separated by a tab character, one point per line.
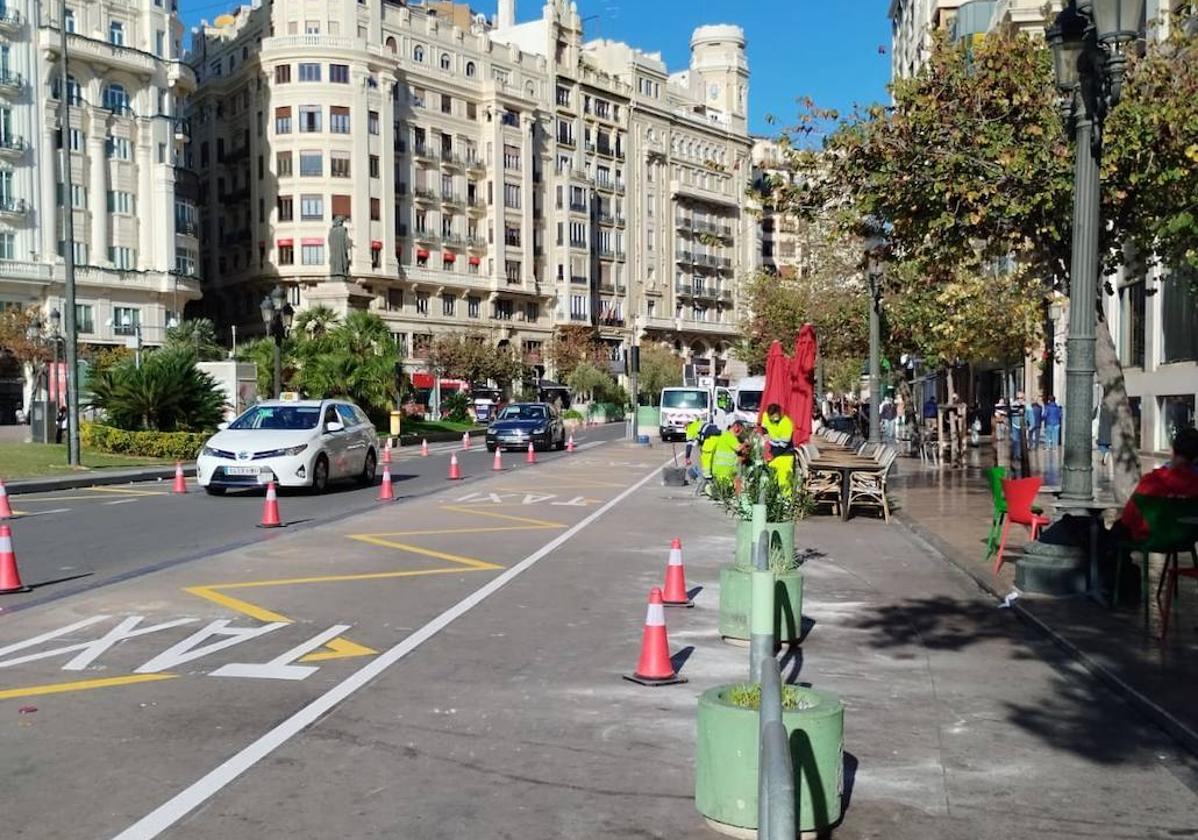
781	434
707	453
725	461
692	429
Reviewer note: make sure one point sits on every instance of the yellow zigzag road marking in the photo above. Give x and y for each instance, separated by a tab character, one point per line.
341	647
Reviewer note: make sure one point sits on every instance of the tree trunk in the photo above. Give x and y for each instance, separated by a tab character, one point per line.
1125	455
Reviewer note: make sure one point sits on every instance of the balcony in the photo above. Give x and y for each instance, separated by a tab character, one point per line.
606	151
13	208
474	243
582	317
683	257
475	205
12	147
581	175
420	151
186	227
11	83
425	194
578	206
605	184
453	240
451	160
716	327
684	289
565	140
579	281
453	199
620	188
724	295
10	21
182	129
473	164
684	223
678	188
705	292
95	51
426	236
605	217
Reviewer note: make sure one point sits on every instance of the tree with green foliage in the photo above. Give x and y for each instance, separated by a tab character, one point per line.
661	368
166	394
261	353
23	341
197	336
591	383
472	357
356	358
572	345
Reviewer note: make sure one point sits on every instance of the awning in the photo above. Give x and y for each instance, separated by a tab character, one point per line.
475	261
448	256
311	240
376	245
421	254
425	380
286	243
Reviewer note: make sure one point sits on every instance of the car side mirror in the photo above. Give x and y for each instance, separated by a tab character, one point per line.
334	427
220	427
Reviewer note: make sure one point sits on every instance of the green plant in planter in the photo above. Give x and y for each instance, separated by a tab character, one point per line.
780	506
748	696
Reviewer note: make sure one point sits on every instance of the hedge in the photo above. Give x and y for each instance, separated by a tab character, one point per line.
179	446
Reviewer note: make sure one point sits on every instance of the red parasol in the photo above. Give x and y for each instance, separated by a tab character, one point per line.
777	380
802	394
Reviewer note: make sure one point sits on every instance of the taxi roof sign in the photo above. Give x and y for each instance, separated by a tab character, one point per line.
289	396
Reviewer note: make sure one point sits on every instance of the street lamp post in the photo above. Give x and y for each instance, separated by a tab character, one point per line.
277	315
873	272
1087	39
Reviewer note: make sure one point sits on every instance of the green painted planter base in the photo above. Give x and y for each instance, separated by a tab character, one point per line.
736	598
726	761
780	532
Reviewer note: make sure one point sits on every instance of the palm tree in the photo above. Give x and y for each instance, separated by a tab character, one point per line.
167	393
315	323
198	336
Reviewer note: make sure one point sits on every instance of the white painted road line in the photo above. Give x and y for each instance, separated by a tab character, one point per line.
44	513
120	502
187	800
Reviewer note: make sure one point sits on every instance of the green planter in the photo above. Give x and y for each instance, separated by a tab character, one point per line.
647	418
736	598
780	532
726	760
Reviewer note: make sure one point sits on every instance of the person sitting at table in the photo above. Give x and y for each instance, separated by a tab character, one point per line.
1176	479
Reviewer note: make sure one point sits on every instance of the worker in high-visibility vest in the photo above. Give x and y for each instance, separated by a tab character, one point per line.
726	458
779	432
693	428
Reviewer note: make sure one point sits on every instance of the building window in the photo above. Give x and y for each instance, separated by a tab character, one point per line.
116	98
120	202
374	166
511	235
473	306
1133	299
283	164
446	62
119	148
470	69
511	156
309	117
309	72
286	255
339	119
372	122
339	164
312	254
418	53
159	43
502	310
1179	316
448	305
282	74
422	303
395	300
311	208
511	196
70	20
285	205
511	269
446	103
85	320
125	320
7	246
122	258
339	73
283	120
311	164
116	33
375	209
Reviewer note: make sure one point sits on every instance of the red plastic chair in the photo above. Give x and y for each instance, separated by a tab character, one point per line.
1020	493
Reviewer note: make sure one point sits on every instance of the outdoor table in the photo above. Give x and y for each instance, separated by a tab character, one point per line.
1093	510
845	464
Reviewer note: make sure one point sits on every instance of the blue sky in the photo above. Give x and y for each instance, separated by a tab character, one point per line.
816	48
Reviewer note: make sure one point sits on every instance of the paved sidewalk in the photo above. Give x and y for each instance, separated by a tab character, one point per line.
515	722
951	508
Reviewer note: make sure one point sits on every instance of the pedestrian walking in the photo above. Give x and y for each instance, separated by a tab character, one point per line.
1052	423
60	425
887	415
1106	422
1034	417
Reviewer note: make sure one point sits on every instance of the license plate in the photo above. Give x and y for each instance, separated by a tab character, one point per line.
241	470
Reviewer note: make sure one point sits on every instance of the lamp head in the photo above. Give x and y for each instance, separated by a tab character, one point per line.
1116	21
268	310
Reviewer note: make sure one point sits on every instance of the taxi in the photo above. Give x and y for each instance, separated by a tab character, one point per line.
293	442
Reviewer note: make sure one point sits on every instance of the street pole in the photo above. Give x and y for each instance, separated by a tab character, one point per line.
68	235
137	346
875	353
278	346
1077	473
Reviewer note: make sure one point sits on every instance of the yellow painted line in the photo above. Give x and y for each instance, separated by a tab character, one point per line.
339	648
235	604
25	501
376	539
534	523
81	685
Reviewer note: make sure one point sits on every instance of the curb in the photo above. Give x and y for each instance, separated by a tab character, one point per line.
94	479
1185	736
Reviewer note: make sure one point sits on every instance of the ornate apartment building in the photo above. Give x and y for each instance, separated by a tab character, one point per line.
493	175
135	241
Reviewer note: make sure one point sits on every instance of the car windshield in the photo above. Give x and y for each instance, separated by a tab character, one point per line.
749	400
523	412
289	417
684	399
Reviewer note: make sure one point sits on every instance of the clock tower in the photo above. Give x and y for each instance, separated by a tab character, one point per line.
720	71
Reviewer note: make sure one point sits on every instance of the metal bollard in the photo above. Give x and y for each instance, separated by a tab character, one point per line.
761	609
775	770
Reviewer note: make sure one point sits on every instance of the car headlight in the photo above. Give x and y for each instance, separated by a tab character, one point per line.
208	451
539	430
282	453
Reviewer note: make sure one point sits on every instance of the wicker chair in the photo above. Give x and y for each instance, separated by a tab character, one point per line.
868	487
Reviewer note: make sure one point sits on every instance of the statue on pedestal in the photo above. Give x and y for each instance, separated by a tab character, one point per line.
338	250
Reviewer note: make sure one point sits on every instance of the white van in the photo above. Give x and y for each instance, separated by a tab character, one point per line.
681	405
747	395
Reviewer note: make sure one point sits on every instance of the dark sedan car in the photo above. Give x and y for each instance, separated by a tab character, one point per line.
519	423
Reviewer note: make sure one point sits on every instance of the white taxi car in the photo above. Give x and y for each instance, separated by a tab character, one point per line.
297	443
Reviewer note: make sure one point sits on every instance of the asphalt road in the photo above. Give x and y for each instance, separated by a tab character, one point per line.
75	540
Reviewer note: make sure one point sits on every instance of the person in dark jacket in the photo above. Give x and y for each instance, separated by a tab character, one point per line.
1052	423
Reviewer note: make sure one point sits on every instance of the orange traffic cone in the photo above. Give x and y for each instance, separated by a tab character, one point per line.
675	594
465	441
5	508
270	511
531	458
570	444
180	481
497	464
387	452
654	666
10	578
455	472
423	448
386	493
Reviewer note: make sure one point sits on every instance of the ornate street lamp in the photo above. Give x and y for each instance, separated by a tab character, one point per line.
873	274
277	315
1087	39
